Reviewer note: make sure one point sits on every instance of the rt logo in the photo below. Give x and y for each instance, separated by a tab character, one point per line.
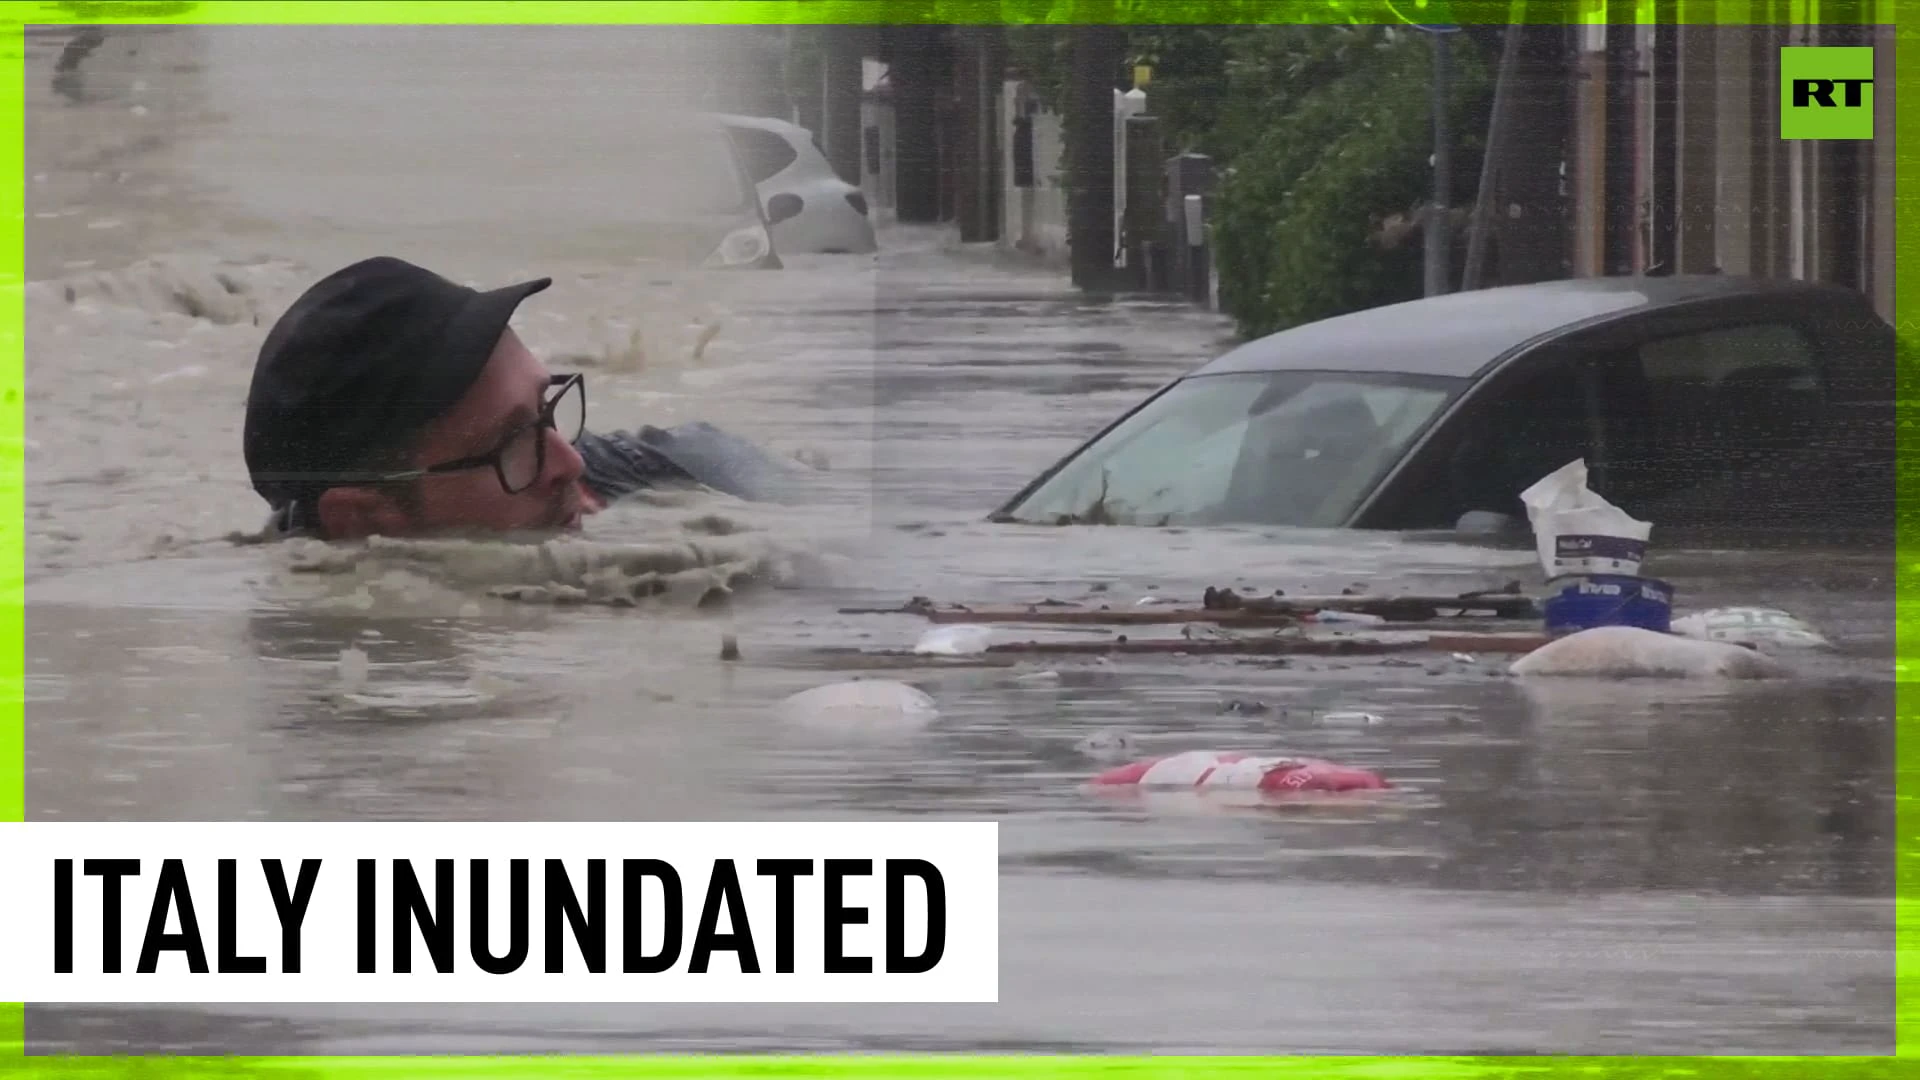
1826	92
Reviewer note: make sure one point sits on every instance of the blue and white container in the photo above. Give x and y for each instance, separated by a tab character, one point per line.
1583	601
1607	555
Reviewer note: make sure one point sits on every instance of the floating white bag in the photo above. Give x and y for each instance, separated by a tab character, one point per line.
959	640
1758	627
1578	532
870	706
1625	652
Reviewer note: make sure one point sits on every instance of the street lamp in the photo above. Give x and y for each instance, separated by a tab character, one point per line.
1438	247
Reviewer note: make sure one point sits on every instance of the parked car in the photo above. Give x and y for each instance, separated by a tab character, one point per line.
700	208
815	210
1695	400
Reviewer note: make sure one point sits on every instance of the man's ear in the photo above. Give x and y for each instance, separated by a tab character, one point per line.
355	513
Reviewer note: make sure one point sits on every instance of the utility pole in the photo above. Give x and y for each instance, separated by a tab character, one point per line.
1098	52
1481	223
915	56
841	54
1438	249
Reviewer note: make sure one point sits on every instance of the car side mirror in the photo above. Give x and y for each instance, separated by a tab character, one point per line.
1486	523
783	206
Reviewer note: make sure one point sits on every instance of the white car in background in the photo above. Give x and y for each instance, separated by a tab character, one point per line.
787	166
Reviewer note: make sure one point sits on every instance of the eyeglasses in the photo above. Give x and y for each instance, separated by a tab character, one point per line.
521	456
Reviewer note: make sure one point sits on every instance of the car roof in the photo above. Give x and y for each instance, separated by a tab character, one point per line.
764	123
1459	334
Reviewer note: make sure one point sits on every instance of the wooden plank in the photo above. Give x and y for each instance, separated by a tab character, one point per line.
1250	646
1280	646
1267	614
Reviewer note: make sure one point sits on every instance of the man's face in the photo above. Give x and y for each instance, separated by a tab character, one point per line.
508	396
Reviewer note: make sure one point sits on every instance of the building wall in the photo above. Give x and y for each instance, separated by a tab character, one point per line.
1746	201
1787	208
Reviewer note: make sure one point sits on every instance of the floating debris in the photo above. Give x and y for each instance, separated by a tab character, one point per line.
1624	652
1347	645
1213	769
963	640
1752	627
1107	745
860	706
1227	608
353	667
1358	618
1356	643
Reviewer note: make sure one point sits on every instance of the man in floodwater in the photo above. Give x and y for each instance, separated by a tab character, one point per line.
391	401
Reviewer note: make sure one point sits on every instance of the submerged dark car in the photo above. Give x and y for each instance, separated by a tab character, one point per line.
1695	400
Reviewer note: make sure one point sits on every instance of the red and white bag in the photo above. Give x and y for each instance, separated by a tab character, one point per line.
1214	770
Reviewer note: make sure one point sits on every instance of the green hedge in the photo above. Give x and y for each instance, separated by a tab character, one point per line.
1323	133
1330	132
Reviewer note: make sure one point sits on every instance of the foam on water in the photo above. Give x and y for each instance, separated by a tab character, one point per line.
671	573
146	367
223	292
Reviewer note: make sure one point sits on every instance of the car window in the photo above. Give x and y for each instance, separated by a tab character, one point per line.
1690	410
1175	469
1273	448
763	152
1729	353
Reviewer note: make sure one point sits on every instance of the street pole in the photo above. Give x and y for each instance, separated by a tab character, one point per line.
1480	224
1098	52
1438	255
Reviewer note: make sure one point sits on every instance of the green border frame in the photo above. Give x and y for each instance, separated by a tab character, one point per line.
15	14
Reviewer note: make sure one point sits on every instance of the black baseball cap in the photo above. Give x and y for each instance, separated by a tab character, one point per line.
368	356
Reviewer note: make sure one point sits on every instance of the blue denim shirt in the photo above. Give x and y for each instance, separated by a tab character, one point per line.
619	464
696	453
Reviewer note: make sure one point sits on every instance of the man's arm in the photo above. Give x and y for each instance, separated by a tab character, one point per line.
618	464
694	453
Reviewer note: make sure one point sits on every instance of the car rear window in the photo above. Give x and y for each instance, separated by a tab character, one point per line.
763	152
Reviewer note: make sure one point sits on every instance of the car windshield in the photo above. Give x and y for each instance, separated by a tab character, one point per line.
1295	448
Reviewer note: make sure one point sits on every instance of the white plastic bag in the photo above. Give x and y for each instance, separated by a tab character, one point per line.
1578	532
958	640
860	706
1761	628
1627	652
